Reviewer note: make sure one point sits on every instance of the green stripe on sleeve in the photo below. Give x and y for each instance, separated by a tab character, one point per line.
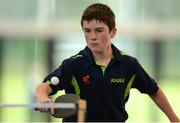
129	86
76	86
48	82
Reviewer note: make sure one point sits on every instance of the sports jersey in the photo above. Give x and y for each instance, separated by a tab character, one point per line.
106	89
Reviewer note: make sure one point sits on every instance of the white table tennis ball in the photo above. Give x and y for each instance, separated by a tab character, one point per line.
54	80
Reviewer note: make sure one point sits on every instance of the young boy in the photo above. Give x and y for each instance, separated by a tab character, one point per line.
101	74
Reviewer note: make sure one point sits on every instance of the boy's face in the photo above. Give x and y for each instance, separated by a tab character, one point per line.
97	35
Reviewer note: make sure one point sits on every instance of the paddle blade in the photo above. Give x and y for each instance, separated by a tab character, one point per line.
67	98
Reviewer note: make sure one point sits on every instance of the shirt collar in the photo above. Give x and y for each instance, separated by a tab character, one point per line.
88	56
90	59
117	53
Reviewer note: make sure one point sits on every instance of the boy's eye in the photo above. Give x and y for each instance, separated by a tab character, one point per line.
87	30
99	30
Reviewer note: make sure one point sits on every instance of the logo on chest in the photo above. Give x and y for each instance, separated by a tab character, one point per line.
85	79
117	80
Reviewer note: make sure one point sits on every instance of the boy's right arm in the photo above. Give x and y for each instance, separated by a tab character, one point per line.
42	95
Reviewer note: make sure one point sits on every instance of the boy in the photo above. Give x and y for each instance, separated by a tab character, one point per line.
101	74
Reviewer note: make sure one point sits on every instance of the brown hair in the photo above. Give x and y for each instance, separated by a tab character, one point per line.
100	12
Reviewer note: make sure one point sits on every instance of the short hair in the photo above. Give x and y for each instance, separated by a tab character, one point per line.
100	12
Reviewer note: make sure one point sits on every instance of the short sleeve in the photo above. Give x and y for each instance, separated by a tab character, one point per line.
143	82
63	73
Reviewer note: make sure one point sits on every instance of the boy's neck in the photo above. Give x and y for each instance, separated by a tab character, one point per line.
103	57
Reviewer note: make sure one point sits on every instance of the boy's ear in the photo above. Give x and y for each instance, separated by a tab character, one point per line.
113	32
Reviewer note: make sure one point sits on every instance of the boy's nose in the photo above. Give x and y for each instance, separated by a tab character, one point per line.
93	35
93	39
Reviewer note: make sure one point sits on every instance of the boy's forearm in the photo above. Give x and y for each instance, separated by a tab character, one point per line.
42	96
42	90
161	101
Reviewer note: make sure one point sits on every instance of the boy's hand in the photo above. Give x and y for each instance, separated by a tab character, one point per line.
45	100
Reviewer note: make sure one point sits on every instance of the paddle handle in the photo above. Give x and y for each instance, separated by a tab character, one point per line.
82	105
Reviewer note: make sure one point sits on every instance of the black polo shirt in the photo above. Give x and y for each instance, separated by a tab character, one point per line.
106	91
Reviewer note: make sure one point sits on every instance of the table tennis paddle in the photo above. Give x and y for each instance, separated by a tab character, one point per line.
77	106
67	98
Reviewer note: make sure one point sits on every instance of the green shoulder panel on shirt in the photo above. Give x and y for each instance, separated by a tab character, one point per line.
123	53
129	86
77	56
76	86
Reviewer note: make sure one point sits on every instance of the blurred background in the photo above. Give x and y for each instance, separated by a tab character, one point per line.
36	35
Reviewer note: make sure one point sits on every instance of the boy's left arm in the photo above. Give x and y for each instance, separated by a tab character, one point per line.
161	101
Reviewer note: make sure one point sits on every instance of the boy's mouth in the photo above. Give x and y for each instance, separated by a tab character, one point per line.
94	44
